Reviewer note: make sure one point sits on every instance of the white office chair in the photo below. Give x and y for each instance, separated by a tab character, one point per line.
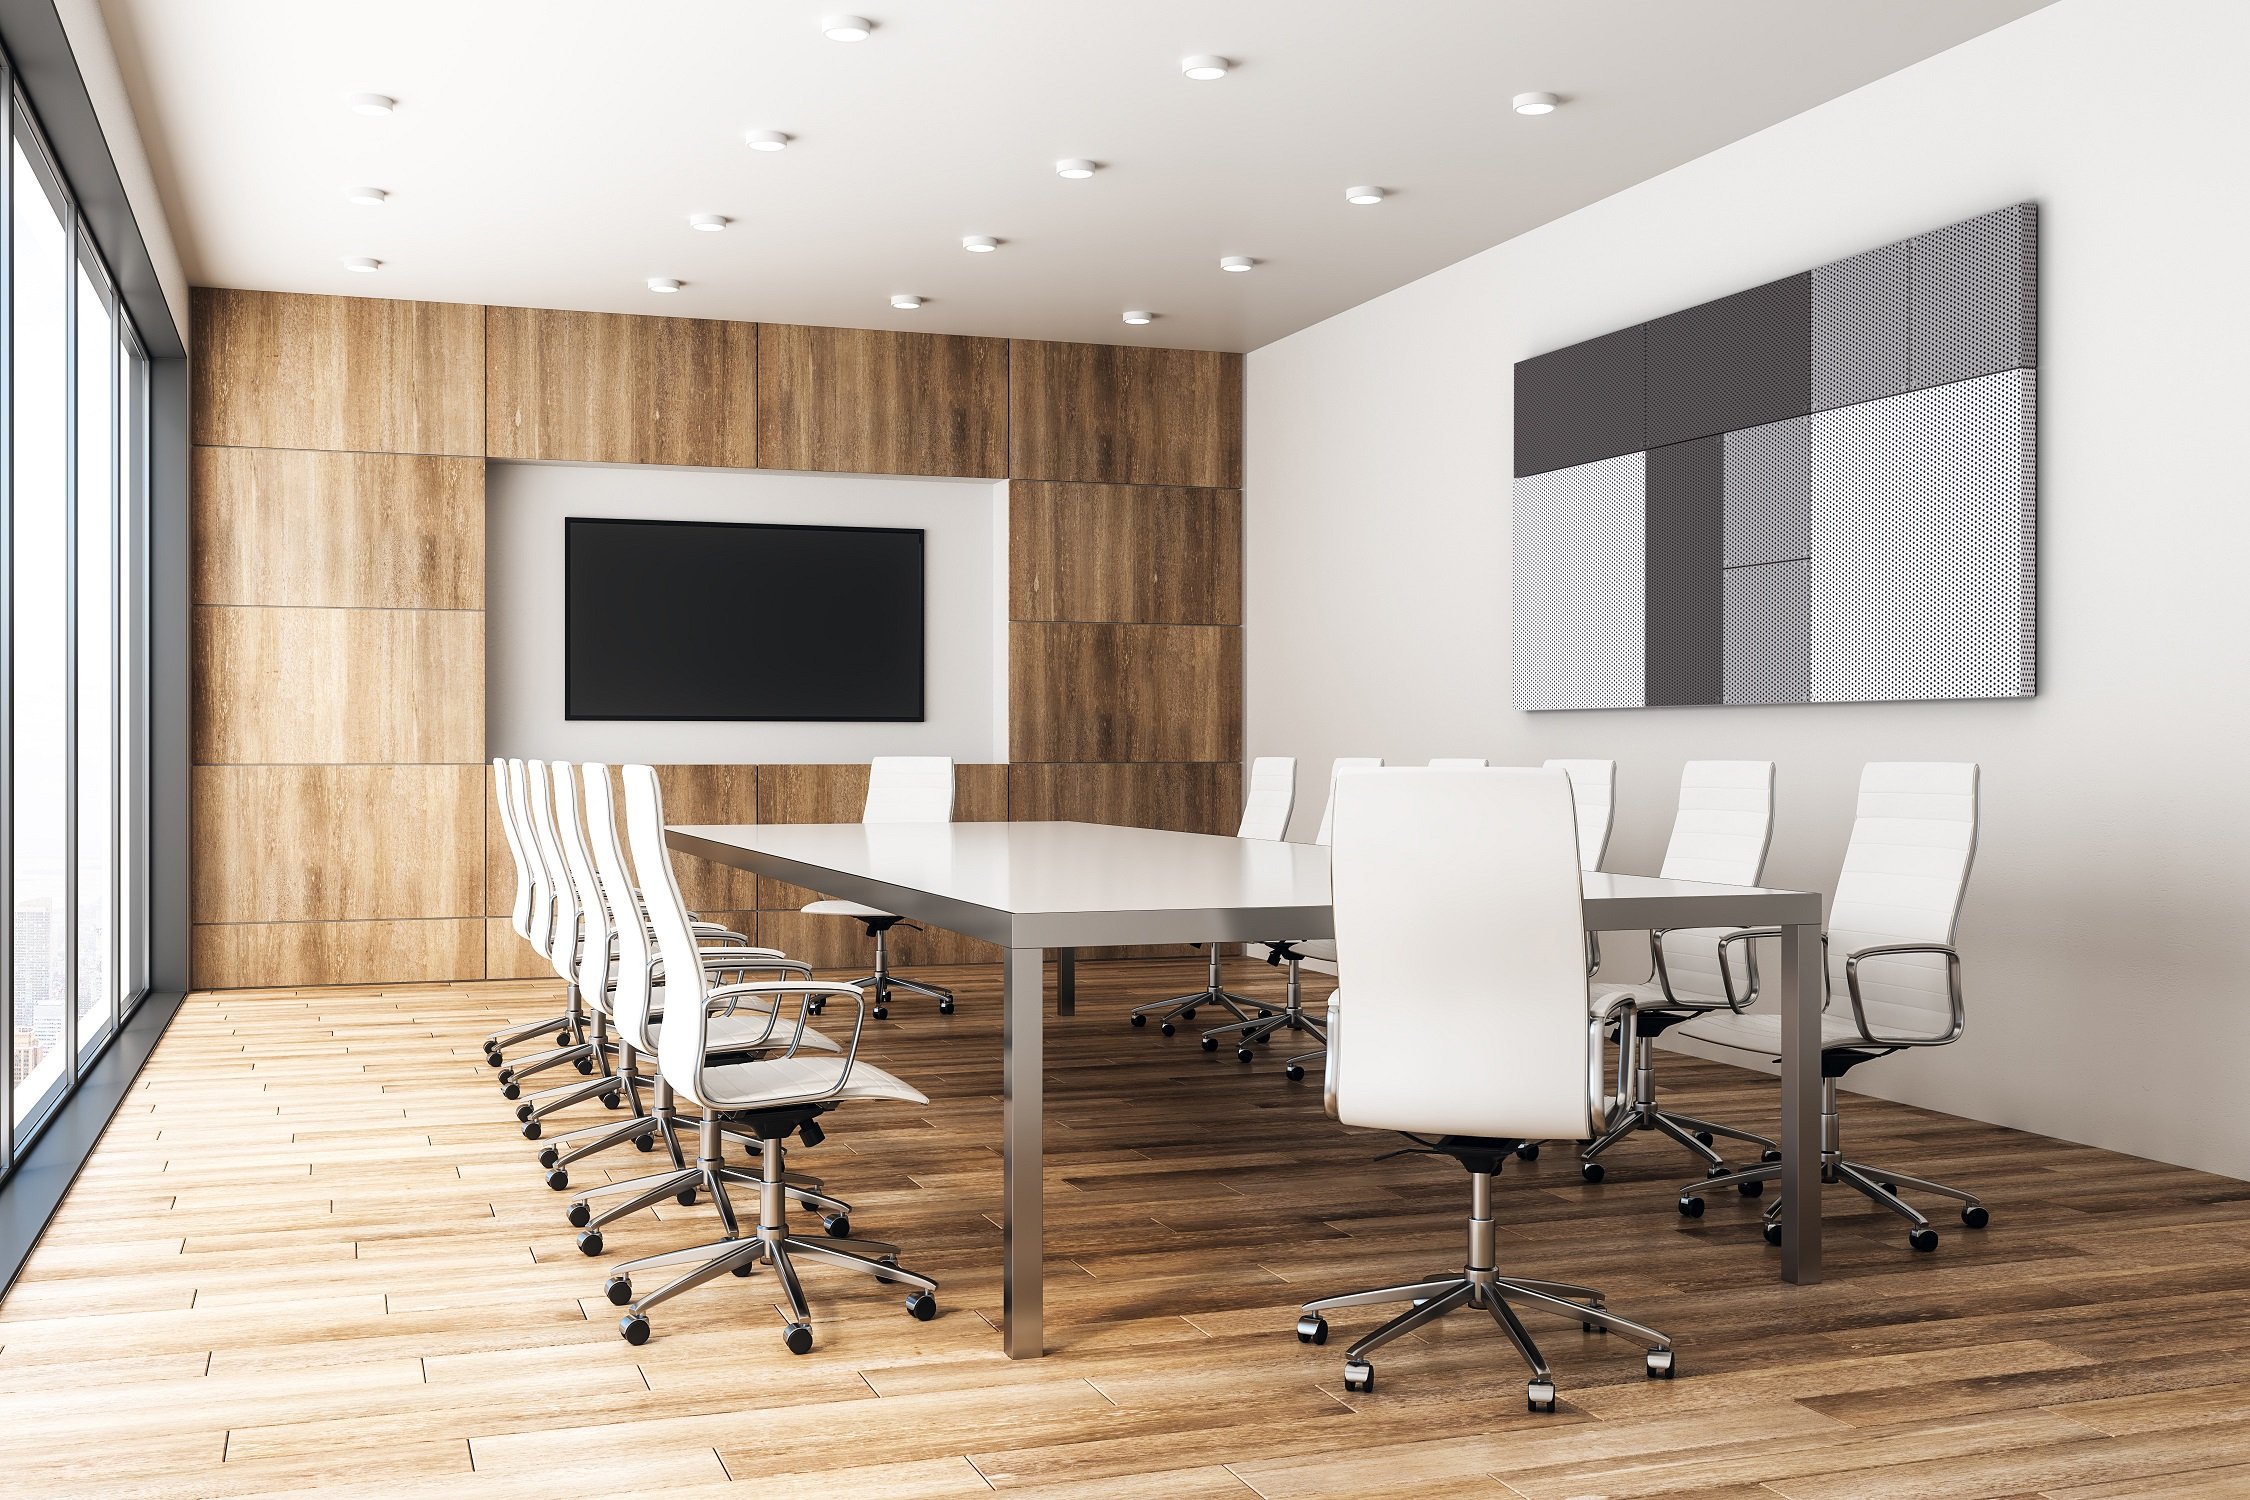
555	932
900	789
1265	815
1319	954
1593	795
1422	856
1458	763
531	900
1720	835
775	1096
1892	973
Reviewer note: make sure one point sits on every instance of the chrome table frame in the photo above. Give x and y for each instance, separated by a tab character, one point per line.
836	860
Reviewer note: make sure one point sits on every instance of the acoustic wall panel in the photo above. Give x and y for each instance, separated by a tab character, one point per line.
1836	489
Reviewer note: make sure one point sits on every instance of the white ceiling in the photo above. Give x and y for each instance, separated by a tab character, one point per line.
548	152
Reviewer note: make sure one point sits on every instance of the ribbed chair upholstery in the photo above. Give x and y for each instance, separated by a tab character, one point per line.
1319	954
531	910
556	930
1265	815
900	789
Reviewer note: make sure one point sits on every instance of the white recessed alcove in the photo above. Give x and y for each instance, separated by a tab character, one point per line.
965	582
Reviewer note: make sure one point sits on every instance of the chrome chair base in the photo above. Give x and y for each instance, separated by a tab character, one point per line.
883	981
1291	1017
1180	1008
1640	1112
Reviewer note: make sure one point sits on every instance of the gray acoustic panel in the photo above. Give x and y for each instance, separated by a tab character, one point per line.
1974	306
1740	361
1580	404
1859	328
1579	554
1768	512
1769	633
1922	526
1683	617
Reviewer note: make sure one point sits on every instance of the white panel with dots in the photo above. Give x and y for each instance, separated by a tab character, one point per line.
1581	570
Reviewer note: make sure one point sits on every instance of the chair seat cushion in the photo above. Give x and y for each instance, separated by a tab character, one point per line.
1319	954
1761	1032
742	1029
776	1081
845	909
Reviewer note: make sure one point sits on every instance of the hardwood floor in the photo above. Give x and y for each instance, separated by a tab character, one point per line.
313	1253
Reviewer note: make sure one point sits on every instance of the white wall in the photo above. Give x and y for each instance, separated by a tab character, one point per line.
2107	934
965	609
88	32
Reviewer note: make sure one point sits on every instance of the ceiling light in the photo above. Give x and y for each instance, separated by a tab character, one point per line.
372	104
1363	195
665	283
362	263
1138	318
1203	67
979	244
1074	167
1535	104
712	222
368	196
766	140
1235	262
846	28
905	301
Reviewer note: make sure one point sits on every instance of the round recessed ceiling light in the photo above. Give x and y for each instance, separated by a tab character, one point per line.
1075	167
1235	263
846	28
1203	67
1535	104
369	196
765	140
979	244
362	263
665	283
905	301
1139	318
1363	195
372	104
711	222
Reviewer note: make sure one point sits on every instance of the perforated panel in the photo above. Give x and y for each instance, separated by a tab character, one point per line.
1582	403
1768	492
1579	578
1769	633
1737	362
1859	328
1975	297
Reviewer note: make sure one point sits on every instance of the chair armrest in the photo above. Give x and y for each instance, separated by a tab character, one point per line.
1328	1064
1593	954
1952	988
1597	1086
804	990
1740	1003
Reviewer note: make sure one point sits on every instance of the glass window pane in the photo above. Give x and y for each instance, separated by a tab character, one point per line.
131	852
96	609
39	570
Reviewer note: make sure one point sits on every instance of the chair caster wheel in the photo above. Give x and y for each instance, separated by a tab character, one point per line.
745	1268
1660	1366
1210	1044
1359	1375
532	1130
1975	1216
817	1004
1718	1171
1891	1188
1586	1327
1138	1021
644	1143
610	1099
1592	1171
1528	1151
558	1179
1539	1396
510	1091
1769	1155
945	1006
839	1226
523	1110
579	1214
1243	1054
619	1290
590	1243
1188	1014
1751	1189
922	1306
1704	1136
635	1329
585	1065
798	1337
1922	1239
1773	1234
1167	1028
880	1013
548	1156
492	1059
1691	1207
1312	1329
1295	1072
563	1038
685	1197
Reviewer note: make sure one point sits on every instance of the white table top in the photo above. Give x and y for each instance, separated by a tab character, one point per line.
1055	885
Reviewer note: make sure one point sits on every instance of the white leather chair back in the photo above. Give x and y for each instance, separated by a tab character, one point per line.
1272	797
1458	763
1502	1048
1593	787
594	903
519	910
1720	834
633	998
540	924
679	1043
909	789
1905	873
1328	811
539	802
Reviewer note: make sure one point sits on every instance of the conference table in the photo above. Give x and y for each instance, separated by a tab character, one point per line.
1030	887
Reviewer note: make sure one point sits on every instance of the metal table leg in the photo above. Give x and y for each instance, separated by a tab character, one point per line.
1023	1078
1066	981
1800	1102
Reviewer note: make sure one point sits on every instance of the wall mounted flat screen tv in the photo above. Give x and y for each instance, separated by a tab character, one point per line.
727	620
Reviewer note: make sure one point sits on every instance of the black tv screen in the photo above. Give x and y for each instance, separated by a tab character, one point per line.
725	620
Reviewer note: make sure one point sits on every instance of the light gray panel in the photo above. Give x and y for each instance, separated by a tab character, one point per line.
1580	574
1769	633
1859	328
1975	298
1923	512
1768	492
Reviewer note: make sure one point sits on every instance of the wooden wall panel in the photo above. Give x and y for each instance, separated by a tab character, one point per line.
337	843
1146	554
709	794
620	389
1124	692
864	401
1188	798
507	956
840	943
345	374
838	794
1103	413
374	686
263	954
363	530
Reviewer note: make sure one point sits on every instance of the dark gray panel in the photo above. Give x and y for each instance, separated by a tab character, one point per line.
1769	633
1974	304
1741	361
1859	328
1768	492
1684	613
1580	404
